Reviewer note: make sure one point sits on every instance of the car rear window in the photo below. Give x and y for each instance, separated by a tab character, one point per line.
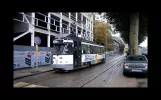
136	58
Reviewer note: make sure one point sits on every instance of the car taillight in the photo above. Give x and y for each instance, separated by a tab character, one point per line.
126	64
145	64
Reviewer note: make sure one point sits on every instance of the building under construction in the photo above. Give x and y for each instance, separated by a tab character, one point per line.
48	25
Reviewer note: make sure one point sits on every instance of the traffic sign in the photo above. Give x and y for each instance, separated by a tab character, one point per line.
37	40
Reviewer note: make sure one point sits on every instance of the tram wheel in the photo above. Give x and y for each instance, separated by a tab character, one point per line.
66	71
88	64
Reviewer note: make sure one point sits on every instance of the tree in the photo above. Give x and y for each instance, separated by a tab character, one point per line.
102	34
132	26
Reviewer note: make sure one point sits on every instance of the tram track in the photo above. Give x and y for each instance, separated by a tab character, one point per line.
104	72
48	72
105	76
57	75
89	77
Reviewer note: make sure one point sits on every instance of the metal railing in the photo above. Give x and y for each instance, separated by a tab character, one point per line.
66	15
79	22
73	17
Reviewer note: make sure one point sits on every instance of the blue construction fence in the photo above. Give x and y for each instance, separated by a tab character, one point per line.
24	56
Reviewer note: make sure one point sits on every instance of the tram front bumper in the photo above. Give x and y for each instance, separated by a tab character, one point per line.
62	66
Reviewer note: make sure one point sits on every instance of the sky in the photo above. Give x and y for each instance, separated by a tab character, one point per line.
143	44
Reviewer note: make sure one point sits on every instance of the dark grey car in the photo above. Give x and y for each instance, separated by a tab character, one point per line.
135	64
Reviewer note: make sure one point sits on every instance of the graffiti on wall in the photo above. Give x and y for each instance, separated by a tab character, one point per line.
43	58
24	59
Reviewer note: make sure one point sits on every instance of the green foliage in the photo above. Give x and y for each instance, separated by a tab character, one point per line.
121	21
102	34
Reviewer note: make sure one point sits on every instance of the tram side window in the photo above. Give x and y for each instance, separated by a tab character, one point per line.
84	48
88	49
92	49
103	50
100	49
95	49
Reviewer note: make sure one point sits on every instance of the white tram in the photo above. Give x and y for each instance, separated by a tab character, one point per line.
73	53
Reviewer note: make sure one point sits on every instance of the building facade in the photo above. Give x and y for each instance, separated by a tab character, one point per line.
116	45
48	25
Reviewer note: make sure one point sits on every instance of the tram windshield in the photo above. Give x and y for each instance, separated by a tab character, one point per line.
63	49
58	49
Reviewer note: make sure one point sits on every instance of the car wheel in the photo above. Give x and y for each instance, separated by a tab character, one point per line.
125	74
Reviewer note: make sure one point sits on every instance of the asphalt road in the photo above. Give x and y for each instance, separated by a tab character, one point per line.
108	74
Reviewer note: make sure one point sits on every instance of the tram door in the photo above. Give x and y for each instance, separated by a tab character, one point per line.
77	54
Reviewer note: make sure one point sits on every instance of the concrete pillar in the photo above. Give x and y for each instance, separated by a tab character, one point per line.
48	39
32	28
76	23
86	29
92	30
69	23
82	25
60	22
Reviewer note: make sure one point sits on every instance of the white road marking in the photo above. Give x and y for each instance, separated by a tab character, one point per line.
20	84
24	84
33	85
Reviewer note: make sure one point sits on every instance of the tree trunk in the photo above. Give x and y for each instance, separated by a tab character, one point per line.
134	31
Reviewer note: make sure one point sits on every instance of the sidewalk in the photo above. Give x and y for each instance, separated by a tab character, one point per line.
19	73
